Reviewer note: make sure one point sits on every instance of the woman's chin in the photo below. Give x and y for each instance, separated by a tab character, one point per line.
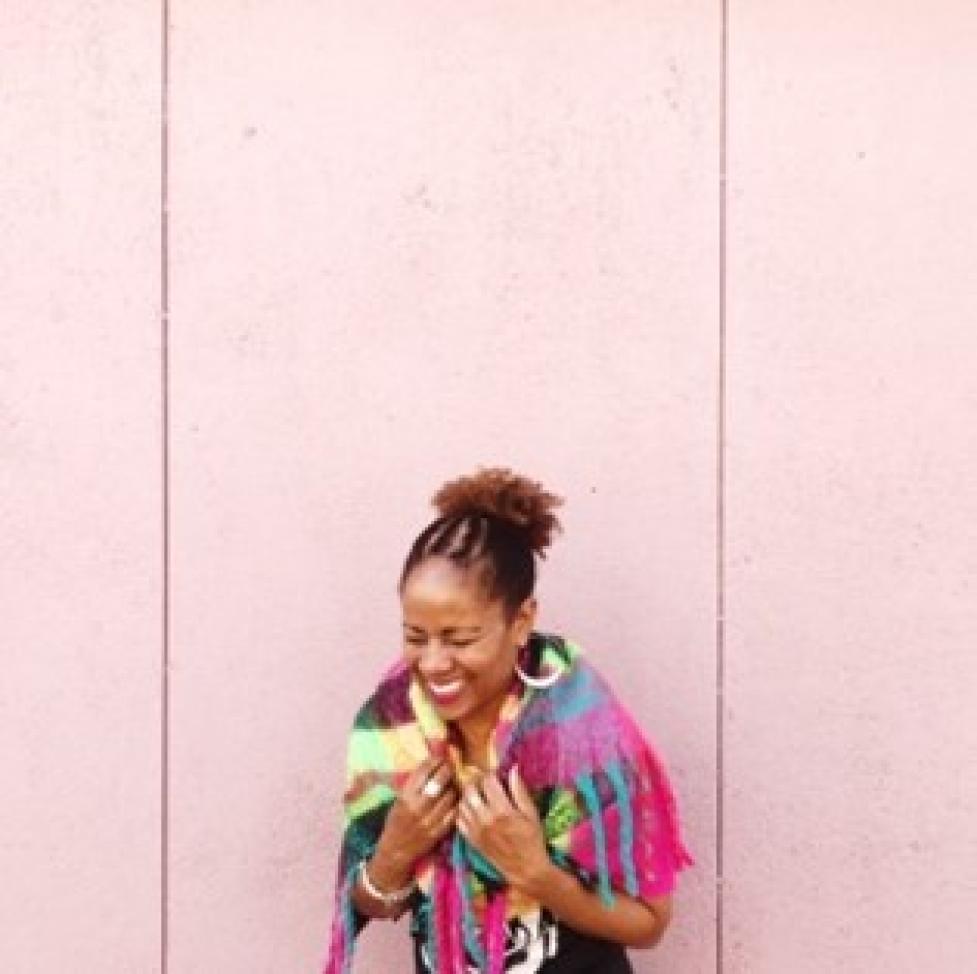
451	709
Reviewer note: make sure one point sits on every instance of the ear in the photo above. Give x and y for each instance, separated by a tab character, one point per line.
525	620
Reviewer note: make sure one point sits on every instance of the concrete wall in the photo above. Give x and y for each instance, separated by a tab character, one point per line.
396	240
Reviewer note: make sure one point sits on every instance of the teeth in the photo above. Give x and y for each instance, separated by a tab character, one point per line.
445	688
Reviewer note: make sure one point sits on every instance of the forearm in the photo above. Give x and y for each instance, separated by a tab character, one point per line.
387	874
629	921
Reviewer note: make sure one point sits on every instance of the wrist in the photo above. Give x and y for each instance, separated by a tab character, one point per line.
541	880
390	870
392	899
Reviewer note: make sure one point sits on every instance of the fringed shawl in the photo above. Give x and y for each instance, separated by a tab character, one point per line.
608	810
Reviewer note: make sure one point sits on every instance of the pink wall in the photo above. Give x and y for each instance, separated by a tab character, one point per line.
407	238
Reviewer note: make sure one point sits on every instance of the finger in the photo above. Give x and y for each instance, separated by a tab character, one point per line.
474	803
470	829
498	800
421	773
442	776
520	793
465	823
446	824
445	804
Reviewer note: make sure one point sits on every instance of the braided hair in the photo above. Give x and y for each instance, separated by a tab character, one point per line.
492	521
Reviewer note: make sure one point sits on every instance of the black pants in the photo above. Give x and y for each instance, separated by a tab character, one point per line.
580	954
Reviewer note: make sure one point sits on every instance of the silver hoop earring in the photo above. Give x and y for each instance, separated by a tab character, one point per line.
538	682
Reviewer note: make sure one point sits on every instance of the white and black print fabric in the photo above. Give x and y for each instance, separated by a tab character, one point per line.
530	942
538	944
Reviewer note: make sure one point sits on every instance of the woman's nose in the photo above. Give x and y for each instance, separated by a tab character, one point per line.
436	660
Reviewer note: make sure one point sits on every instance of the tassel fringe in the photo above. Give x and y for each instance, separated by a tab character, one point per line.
588	789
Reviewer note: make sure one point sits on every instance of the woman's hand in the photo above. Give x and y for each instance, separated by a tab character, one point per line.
415	824
508	832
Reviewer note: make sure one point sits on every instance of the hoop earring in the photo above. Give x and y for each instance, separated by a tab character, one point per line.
537	682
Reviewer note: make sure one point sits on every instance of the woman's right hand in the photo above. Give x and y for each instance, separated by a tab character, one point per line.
415	824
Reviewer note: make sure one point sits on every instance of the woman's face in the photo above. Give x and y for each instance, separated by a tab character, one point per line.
461	646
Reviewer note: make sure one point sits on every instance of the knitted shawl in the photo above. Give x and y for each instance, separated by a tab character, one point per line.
608	812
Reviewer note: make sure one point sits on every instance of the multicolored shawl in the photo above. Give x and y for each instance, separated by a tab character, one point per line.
608	811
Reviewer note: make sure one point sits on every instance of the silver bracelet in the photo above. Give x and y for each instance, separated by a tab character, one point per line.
394	898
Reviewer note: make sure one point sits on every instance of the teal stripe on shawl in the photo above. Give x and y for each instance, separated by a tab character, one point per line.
587	788
472	942
349	920
574	695
432	925
615	773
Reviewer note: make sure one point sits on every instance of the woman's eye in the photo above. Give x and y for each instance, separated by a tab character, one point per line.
418	642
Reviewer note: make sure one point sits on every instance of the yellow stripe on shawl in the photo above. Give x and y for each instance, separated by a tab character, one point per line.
429	722
387	751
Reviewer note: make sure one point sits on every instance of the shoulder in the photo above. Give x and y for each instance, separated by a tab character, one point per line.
552	651
564	679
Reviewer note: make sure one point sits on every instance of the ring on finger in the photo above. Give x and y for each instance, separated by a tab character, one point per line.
432	788
475	800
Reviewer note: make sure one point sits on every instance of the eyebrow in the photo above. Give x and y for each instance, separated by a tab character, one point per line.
446	630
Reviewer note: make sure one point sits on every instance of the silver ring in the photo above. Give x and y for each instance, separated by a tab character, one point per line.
432	788
475	800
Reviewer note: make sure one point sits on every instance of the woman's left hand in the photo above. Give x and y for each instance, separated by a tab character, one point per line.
507	832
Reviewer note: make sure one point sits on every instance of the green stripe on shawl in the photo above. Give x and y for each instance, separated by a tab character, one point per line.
377	796
563	813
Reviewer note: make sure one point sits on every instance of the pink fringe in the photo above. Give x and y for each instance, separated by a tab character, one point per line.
338	947
447	918
495	932
453	916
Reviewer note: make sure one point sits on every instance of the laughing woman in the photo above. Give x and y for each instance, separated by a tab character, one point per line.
496	788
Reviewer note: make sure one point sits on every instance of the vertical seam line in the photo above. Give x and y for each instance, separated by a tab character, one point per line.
721	482
165	377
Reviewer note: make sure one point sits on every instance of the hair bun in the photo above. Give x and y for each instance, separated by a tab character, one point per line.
517	500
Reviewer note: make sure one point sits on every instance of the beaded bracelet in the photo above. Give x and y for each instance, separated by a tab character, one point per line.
394	898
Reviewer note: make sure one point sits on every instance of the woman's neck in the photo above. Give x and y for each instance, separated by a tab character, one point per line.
475	739
476	731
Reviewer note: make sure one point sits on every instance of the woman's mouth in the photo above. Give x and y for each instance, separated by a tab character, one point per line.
446	693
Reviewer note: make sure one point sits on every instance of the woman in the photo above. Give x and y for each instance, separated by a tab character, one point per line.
495	787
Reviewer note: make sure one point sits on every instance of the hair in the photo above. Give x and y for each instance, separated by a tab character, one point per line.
493	521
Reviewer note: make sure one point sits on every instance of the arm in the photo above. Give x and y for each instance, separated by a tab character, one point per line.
509	834
632	922
415	824
387	876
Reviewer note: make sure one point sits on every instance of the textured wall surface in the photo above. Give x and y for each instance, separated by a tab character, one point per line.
80	488
851	518
272	272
